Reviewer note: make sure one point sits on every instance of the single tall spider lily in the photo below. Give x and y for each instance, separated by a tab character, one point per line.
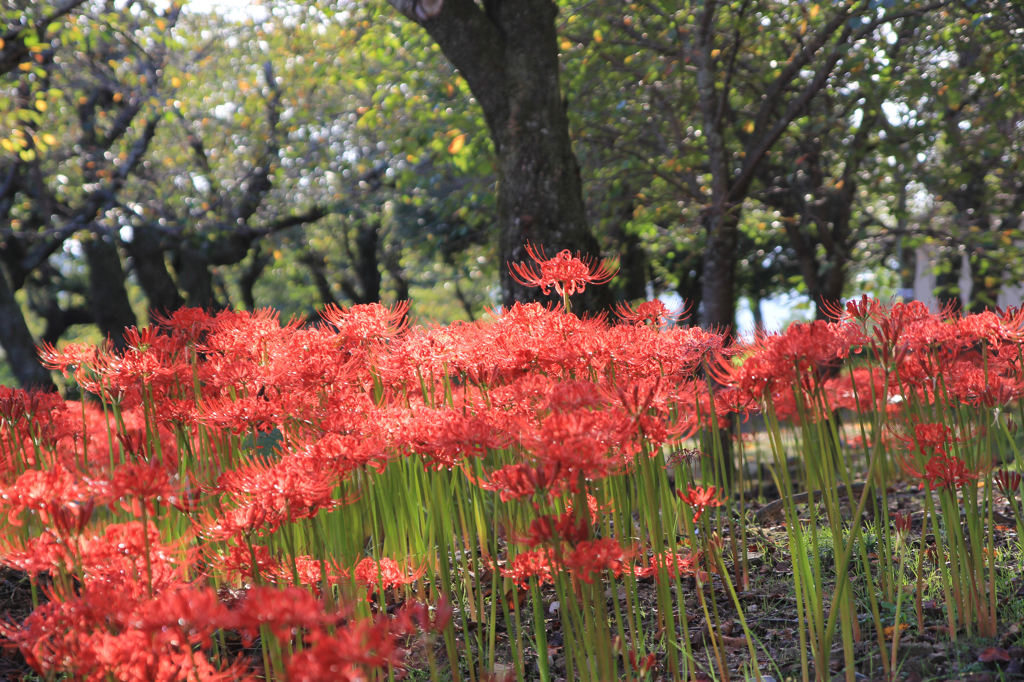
700	499
567	273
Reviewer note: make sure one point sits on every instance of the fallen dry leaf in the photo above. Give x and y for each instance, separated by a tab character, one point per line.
887	631
994	653
734	642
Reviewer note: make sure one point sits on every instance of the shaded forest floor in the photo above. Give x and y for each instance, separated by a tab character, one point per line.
925	651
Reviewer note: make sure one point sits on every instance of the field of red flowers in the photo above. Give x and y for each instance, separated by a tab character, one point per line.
537	495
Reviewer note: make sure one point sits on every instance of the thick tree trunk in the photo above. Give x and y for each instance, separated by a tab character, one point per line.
367	266
195	278
18	343
147	254
251	274
508	53
719	282
830	294
540	195
111	307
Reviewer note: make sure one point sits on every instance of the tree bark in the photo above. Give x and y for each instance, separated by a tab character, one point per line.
147	254
755	310
366	266
195	278
508	53
18	343
111	307
633	260
719	283
251	274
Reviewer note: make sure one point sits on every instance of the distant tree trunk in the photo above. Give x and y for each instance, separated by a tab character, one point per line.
111	307
147	254
507	51
18	343
366	264
718	288
195	278
755	310
691	273
633	259
251	273
830	217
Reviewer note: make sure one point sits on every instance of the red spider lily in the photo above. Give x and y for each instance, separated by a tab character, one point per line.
653	312
700	499
37	555
536	563
949	471
189	615
310	573
566	526
105	634
296	486
674	564
643	667
861	310
237	564
36	490
282	610
364	323
902	522
141	484
72	519
240	522
77	355
540	532
417	616
591	506
930	437
383	575
1008	482
511	482
346	655
568	274
185	323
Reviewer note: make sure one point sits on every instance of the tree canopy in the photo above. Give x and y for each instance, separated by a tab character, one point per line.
154	155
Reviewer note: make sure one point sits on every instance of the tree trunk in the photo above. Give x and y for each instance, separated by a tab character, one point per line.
18	343
830	293
633	260
719	282
366	265
251	274
755	310
147	254
540	196
195	278
508	53
691	274
111	307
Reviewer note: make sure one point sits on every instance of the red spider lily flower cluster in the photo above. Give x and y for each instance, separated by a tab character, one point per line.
383	574
568	274
649	312
222	446
700	500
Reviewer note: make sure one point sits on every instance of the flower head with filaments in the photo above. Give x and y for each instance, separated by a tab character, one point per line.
700	499
567	273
